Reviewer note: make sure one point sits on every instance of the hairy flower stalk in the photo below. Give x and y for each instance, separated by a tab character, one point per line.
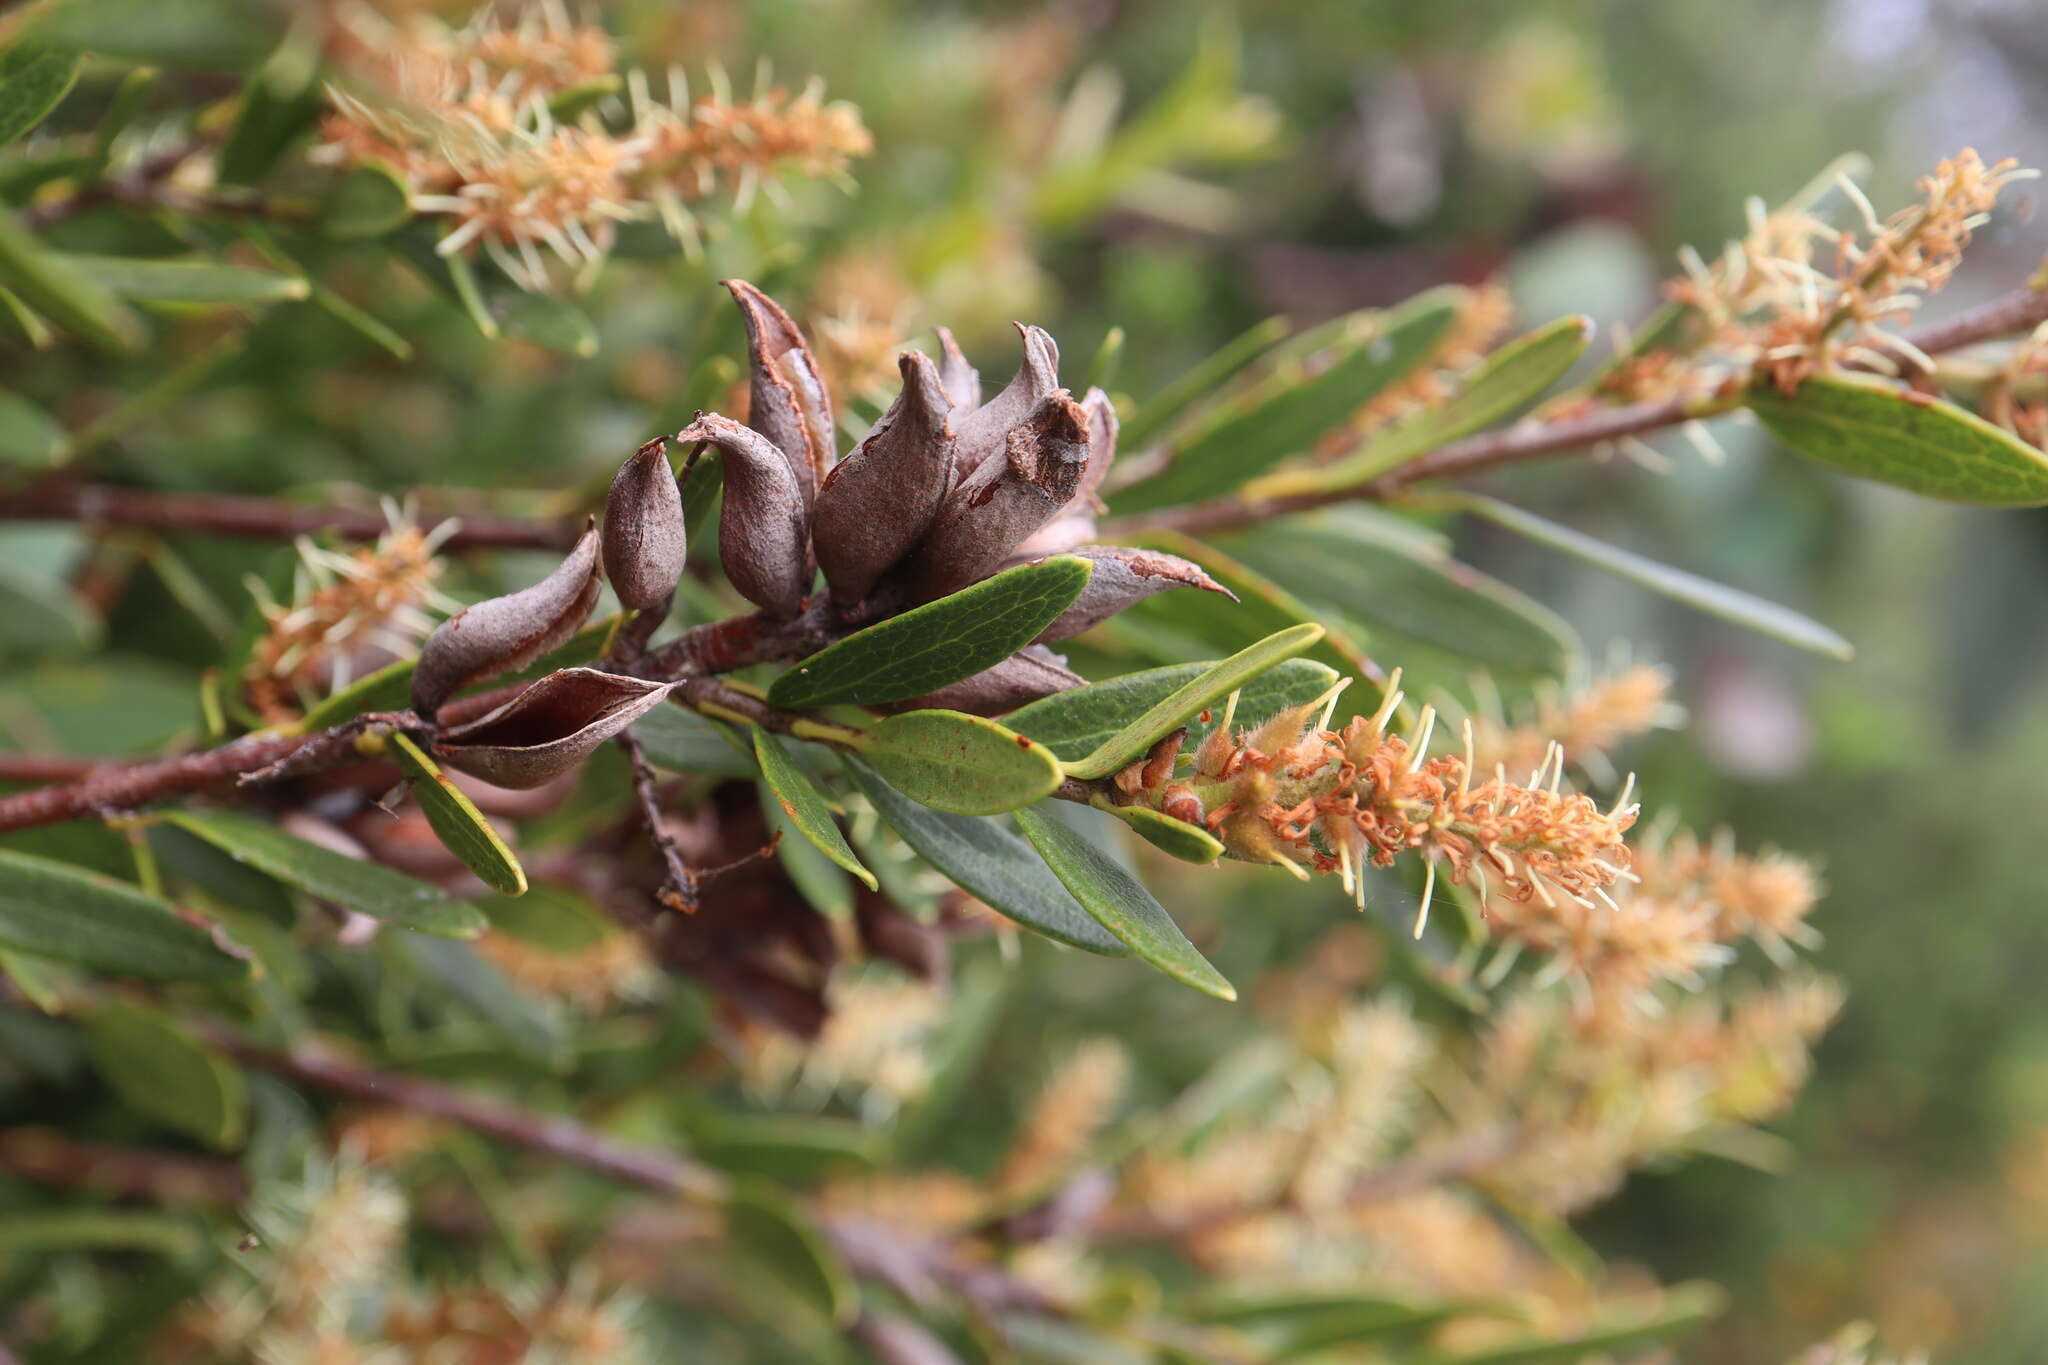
1307	798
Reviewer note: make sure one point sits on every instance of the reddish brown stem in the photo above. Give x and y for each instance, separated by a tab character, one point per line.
224	514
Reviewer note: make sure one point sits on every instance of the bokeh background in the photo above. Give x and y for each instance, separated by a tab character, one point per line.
1184	171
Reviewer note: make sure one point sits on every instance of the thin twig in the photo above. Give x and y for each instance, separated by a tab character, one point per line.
224	514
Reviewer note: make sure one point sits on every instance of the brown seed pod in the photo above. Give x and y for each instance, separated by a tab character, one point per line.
549	728
984	431
645	542
996	508
787	399
879	501
1076	524
1025	676
501	634
1121	577
764	531
962	380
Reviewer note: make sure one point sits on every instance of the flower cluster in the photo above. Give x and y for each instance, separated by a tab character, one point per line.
348	612
1294	793
473	120
1589	721
1797	295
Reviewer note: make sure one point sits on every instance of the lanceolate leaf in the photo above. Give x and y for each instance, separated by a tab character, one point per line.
33	78
1186	702
800	800
322	873
956	762
1682	1308
54	910
1287	414
941	642
160	1070
1161	410
1121	903
1513	376
56	289
1074	723
1189	843
457	822
1410	589
767	1230
188	280
989	861
1716	599
1876	430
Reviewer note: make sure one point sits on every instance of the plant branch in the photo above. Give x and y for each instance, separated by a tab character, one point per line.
253	518
321	1068
2017	311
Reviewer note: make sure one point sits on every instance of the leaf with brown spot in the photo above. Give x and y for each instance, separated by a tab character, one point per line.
800	800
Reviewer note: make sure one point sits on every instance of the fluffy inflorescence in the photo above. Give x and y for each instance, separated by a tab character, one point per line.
1308	798
472	119
1797	295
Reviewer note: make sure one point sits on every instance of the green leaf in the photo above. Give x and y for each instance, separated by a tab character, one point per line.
1682	1308
1875	430
1121	904
1178	838
938	643
547	322
42	616
456	821
1295	1324
1287	413
94	1229
766	1229
986	859
1162	409
952	761
1076	722
215	34
370	200
1262	607
28	435
160	1070
1414	590
685	742
51	909
34	78
187	280
71	300
1183	704
528	1026
800	800
550	917
329	876
1513	376
782	1146
1715	599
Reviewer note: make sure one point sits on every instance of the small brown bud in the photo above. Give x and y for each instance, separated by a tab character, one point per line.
787	400
1025	676
549	728
644	539
996	508
878	502
962	380
1120	578
505	633
764	531
984	431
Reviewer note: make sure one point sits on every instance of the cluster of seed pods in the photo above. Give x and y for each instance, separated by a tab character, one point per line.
945	490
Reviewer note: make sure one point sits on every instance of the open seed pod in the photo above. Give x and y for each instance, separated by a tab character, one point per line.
549	728
984	431
879	501
1123	577
501	634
